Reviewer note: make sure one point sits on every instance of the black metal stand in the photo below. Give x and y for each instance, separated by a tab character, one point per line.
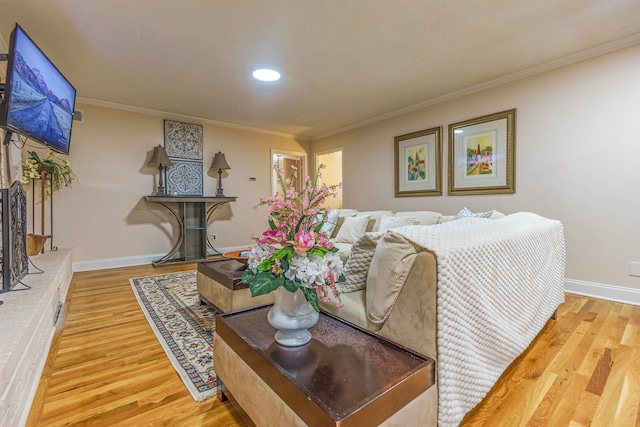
192	216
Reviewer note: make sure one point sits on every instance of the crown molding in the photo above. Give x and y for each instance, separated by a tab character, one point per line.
168	115
538	69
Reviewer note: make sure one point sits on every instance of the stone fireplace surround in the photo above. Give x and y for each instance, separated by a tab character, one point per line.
26	330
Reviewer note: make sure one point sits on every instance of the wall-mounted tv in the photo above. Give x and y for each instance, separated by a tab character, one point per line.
38	100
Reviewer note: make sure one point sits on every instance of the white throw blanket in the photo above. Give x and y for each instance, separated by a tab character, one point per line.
499	281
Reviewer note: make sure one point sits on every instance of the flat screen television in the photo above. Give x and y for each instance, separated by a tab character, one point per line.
38	100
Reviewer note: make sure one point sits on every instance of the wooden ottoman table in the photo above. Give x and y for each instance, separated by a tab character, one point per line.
220	286
345	376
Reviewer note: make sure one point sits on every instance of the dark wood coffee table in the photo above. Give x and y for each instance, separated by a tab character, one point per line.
220	286
345	376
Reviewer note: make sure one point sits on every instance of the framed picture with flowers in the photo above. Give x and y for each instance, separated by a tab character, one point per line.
417	163
482	155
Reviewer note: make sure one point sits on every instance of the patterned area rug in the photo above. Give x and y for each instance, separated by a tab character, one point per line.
183	326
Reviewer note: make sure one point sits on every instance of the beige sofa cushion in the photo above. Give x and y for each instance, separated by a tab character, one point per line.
344	250
422	217
390	266
445	218
357	266
353	310
352	229
348	212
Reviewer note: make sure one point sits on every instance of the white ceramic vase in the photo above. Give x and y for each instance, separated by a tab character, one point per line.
292	315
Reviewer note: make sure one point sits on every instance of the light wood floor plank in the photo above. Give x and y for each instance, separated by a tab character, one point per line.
586	330
563	403
106	367
617	390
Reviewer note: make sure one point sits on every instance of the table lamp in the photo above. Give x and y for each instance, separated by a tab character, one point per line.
220	163
160	158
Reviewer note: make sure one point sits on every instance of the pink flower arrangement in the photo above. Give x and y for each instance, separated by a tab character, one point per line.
294	252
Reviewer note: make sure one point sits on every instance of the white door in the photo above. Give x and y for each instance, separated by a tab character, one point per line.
286	160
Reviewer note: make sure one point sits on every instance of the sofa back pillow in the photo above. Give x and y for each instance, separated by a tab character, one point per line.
331	222
496	214
448	218
390	266
466	213
352	229
389	222
422	217
374	219
344	213
357	266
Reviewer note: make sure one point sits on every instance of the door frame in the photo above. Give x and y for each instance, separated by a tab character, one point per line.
288	154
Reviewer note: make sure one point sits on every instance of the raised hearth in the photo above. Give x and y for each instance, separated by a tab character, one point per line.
26	330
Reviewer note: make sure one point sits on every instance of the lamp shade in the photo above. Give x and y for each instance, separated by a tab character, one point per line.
219	162
159	157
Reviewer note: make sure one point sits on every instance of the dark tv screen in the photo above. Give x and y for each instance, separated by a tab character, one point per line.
39	100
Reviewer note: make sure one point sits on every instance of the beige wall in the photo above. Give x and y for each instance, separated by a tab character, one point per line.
104	215
576	161
332	175
578	151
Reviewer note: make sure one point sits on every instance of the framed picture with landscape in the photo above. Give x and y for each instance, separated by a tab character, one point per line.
418	163
482	155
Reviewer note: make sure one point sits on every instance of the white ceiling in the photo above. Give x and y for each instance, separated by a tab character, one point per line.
344	62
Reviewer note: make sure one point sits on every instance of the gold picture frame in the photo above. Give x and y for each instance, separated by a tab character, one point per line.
482	155
418	163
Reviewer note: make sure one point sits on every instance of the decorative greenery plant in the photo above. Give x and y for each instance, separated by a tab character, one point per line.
57	170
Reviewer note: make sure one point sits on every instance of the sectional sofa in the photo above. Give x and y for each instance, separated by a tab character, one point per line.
469	290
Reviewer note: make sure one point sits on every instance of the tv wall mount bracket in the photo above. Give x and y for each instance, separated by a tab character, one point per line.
3	57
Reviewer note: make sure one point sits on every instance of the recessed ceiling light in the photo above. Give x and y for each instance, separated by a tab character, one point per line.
266	75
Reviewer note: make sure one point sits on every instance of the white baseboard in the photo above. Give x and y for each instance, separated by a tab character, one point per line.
102	264
603	291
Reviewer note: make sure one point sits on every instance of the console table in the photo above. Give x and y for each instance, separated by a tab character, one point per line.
192	214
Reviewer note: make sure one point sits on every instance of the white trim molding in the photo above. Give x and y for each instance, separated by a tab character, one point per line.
538	69
182	117
603	291
103	264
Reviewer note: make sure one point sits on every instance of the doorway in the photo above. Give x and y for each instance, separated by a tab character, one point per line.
287	159
331	174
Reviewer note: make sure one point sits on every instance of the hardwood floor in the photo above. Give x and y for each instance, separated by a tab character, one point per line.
106	367
582	370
